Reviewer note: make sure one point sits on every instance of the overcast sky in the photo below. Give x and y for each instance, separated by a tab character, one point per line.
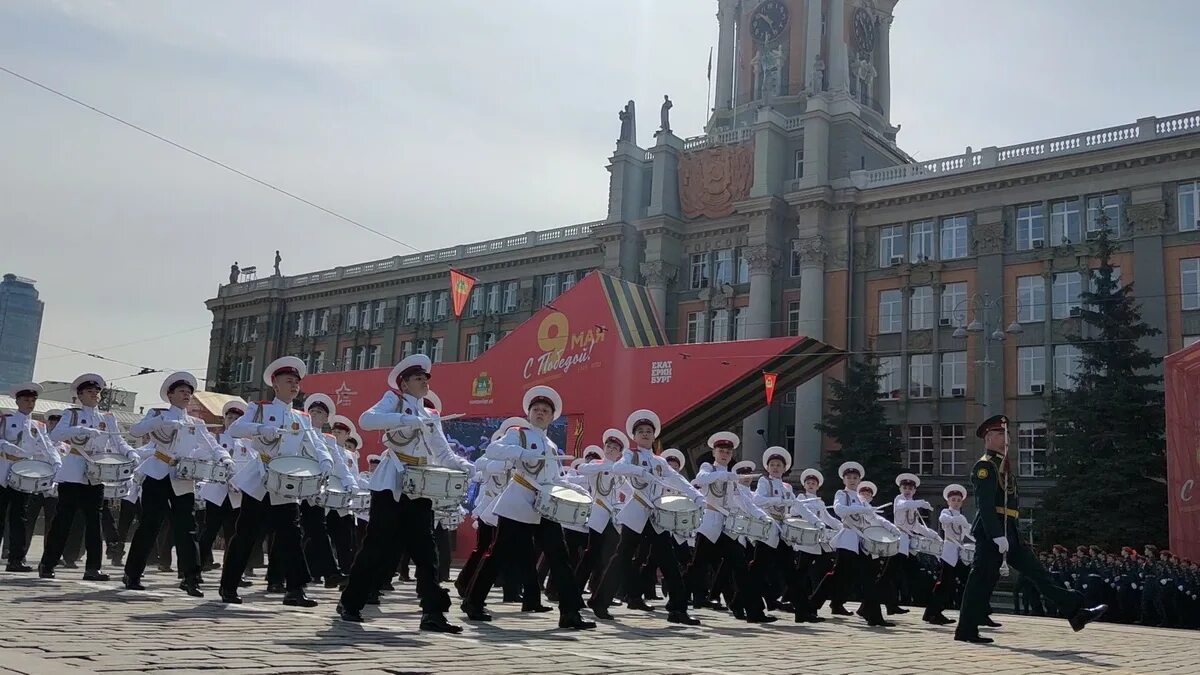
439	123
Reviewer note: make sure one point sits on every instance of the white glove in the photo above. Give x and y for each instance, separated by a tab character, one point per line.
699	500
532	454
925	505
268	433
1002	544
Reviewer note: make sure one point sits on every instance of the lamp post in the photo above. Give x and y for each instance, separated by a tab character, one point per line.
987	317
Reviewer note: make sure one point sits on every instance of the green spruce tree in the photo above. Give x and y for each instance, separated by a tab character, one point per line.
857	422
1106	433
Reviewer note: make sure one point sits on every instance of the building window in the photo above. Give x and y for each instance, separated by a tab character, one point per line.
311	322
568	281
920	308
1067	287
297	323
920	242
1031	370
891	307
1031	227
891	245
489	341
798	169
373	356
954	450
954	237
889	377
795	263
954	374
718	326
1064	222
694	326
408	349
743	267
549	288
380	310
789	433
920	376
1189	282
1031	299
510	296
1031	449
1104	210
348	359
794	318
1189	340
1189	206
954	304
352	317
436	353
920	449
477	301
699	270
323	322
441	308
410	309
739	323
472	346
723	266
1066	365
493	298
427	307
360	358
364	315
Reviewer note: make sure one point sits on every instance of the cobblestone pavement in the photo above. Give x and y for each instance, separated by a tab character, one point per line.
68	625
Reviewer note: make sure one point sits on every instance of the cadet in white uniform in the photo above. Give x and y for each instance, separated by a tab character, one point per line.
45	503
272	429
223	499
21	438
835	586
774	560
536	464
318	547
872	573
340	522
177	435
906	515
415	438
956	530
492	476
603	485
89	433
810	508
647	474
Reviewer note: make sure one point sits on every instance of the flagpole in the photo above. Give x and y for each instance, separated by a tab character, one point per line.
708	100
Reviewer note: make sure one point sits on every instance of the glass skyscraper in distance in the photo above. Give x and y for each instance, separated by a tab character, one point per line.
20	326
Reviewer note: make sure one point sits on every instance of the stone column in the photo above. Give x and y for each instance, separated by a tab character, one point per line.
764	260
812	46
807	452
885	67
839	59
658	276
664	180
726	15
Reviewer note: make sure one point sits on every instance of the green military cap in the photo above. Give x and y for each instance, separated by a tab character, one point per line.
993	423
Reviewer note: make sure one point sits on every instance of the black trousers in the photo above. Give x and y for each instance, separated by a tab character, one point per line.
396	526
850	568
218	519
986	572
341	532
772	567
159	502
746	591
284	521
945	589
600	548
442	538
73	498
36	506
622	569
318	549
130	512
799	583
484	536
515	546
12	523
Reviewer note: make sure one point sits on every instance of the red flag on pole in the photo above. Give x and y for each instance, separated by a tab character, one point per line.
461	284
769	382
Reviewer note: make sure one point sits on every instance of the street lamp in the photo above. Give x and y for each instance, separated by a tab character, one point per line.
988	316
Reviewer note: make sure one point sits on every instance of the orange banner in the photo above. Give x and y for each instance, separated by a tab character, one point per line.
769	382
461	284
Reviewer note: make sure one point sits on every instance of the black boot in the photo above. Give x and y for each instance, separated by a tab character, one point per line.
95	575
191	587
436	622
683	618
1085	616
575	622
229	596
132	583
353	616
475	613
297	598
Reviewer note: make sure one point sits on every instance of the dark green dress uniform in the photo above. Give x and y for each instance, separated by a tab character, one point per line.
995	490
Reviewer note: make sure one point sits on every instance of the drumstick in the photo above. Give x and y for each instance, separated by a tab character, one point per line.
453	416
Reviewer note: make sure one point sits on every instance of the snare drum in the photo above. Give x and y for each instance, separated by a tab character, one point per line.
677	514
294	477
448	520
110	469
744	525
564	505
201	470
434	482
925	545
800	532
966	554
116	490
334	499
361	501
31	476
879	542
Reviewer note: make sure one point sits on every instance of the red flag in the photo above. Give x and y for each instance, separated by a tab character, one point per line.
461	284
769	382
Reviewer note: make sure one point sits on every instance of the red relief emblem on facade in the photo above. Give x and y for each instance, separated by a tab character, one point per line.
711	180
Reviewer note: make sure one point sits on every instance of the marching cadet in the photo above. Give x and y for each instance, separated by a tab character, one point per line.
399	523
318	547
263	427
536	463
907	517
21	438
223	498
871	570
955	528
340	522
89	433
995	532
177	435
835	585
603	485
492	475
647	475
45	503
773	561
811	508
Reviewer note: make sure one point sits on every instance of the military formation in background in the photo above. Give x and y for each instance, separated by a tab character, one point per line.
605	532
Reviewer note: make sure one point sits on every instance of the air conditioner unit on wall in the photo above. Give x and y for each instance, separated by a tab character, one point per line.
958	392
1037	388
1038	243
944	321
897	260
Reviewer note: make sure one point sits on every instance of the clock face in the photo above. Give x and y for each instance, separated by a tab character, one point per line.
769	20
864	30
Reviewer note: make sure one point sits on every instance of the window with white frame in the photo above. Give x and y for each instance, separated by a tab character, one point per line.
348	358
954	237
954	374
408	349
1031	369
795	269
739	323
889	377
421	347
920	376
723	266
489	341
891	309
568	281
921	311
920	449
380	311
297	323
1067	287
695	327
323	322
250	369
252	324
1031	299
351	317
360	358
1065	222
441	308
472	346
1066	365
1031	226
1105	208
310	319
891	244
1189	283
410	309
954	304
318	361
1031	449
794	318
920	242
477	300
718	326
427	306
364	315
436	353
743	267
493	298
1189	206
954	450
373	356
510	296
699	270
549	288
798	169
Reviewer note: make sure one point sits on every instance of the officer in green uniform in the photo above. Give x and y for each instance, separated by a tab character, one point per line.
995	531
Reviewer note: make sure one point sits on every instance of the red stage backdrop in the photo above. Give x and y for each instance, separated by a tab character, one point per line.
1183	450
600	345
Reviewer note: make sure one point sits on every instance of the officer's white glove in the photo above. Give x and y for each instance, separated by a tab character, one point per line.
532	454
1002	544
268	433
